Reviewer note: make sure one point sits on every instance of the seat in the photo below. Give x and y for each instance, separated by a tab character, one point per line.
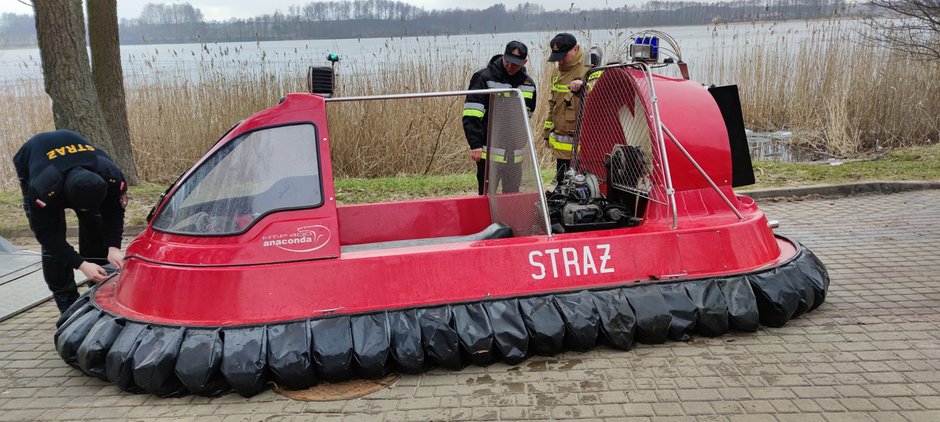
493	231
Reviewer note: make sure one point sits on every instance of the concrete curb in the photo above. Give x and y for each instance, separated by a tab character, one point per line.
839	190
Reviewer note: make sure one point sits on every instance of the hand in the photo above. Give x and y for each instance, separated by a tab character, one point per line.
92	271
116	257
476	154
575	85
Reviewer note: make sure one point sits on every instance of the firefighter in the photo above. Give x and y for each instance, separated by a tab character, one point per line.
59	170
505	70
567	81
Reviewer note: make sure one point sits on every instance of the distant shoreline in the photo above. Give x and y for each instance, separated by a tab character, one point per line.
134	33
458	34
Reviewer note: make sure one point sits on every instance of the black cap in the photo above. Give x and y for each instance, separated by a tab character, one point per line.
516	53
561	45
84	190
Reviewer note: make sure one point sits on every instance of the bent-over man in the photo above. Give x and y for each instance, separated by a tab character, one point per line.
59	170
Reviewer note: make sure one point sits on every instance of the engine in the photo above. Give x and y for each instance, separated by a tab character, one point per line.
577	204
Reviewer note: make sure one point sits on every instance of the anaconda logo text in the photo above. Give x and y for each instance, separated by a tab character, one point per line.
305	239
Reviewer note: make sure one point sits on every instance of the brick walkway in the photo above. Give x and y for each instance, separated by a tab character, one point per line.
870	353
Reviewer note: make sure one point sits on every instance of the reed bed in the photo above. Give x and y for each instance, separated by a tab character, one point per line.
838	95
27	110
390	137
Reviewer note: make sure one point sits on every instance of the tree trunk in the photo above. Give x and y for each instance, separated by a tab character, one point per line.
109	81
60	30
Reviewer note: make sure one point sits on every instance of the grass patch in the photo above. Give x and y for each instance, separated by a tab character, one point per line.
140	199
13	221
914	163
360	191
11	212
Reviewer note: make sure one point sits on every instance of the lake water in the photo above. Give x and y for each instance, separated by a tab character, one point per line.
366	54
777	146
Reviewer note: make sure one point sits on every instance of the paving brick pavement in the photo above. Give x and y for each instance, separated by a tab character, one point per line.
869	354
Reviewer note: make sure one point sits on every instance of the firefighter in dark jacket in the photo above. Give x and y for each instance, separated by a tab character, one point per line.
59	170
504	71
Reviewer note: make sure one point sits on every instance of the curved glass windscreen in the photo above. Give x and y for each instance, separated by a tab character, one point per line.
257	173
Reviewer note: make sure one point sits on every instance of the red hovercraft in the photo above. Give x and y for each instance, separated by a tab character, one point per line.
249	272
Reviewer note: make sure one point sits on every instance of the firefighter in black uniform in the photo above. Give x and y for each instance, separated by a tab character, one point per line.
504	71
59	170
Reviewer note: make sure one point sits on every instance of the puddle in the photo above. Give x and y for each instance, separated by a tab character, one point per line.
338	391
778	146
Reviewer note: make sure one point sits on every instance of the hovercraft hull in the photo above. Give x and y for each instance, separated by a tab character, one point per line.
171	359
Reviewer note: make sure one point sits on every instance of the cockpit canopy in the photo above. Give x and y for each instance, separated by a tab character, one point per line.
266	170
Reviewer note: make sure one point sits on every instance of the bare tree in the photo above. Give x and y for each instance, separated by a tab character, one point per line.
109	81
914	26
60	28
90	104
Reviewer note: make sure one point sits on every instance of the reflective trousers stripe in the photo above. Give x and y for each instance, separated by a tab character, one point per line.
499	155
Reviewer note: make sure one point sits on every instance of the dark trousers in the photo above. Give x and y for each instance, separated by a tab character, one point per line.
561	166
509	175
59	276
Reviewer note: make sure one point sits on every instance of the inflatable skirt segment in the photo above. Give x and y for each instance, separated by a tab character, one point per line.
173	361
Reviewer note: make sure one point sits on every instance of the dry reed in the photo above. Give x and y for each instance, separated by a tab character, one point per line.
844	98
836	94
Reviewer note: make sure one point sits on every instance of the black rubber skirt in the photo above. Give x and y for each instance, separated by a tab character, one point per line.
176	360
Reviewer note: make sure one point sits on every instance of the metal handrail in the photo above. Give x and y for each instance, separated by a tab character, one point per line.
424	95
702	172
538	171
661	142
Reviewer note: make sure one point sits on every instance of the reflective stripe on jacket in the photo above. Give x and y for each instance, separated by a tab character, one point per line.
561	142
474	111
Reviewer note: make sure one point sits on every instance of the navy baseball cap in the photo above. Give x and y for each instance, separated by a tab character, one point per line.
516	53
84	190
561	45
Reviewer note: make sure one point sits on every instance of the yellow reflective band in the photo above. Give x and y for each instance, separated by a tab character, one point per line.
549	124
561	146
595	75
469	112
560	88
501	158
528	94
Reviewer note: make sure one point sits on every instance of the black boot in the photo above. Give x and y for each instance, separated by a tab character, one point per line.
64	300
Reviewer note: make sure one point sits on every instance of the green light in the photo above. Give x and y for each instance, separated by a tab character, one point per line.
333	57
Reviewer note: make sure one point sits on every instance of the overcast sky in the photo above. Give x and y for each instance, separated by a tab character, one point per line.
225	9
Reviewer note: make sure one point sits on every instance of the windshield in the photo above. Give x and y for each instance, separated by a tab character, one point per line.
253	175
